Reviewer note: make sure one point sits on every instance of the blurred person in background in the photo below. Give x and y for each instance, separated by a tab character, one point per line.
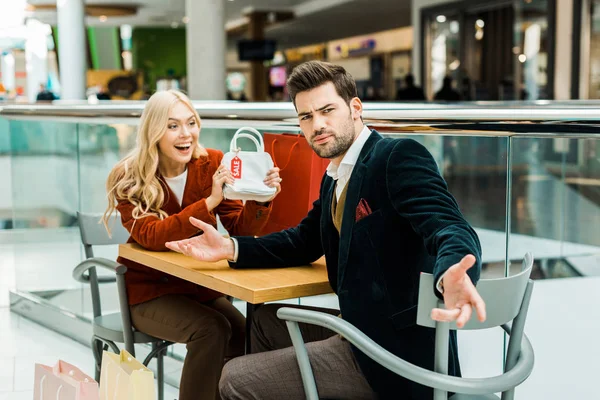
44	94
447	92
410	92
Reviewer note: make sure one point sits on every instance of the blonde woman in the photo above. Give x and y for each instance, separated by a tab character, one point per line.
164	181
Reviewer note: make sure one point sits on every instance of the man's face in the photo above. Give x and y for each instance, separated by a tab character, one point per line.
328	123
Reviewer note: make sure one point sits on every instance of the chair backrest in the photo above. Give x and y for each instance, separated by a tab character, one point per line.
507	299
93	233
502	296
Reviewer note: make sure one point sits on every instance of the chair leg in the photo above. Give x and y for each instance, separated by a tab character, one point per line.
160	372
96	346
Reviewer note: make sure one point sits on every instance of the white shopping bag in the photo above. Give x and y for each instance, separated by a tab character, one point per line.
249	169
122	377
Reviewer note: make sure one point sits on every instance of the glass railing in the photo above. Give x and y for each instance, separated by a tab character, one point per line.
526	176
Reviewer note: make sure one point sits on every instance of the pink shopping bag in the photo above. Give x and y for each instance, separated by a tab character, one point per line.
63	382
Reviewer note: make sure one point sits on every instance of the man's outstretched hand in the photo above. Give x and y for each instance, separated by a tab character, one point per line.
460	295
210	246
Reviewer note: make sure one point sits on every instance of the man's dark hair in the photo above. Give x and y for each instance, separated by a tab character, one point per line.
409	79
312	74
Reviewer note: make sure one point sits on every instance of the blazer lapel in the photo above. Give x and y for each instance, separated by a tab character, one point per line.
326	218
329	235
199	177
352	199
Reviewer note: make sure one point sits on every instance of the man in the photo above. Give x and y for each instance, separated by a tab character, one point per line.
447	92
410	92
384	215
103	93
44	94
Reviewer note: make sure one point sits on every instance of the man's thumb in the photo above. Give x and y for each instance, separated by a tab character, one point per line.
198	223
467	262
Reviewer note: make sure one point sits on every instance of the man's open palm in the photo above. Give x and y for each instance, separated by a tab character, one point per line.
460	295
210	246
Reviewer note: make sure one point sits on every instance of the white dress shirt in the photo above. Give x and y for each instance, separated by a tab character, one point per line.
342	173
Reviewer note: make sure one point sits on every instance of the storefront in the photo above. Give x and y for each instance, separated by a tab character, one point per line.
491	50
299	55
378	61
586	57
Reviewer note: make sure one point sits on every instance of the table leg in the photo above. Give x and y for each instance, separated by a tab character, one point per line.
250	308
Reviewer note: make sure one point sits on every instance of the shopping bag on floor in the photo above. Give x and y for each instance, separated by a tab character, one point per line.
249	169
122	377
63	382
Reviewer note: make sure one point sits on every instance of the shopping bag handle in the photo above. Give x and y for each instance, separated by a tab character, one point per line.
241	133
289	153
42	389
106	383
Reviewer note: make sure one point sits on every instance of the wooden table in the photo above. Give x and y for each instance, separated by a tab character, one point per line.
255	286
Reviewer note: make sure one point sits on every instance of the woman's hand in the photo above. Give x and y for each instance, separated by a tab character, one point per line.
273	180
220	178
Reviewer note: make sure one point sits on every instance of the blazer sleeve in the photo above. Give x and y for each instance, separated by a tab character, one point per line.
152	233
300	245
243	220
419	193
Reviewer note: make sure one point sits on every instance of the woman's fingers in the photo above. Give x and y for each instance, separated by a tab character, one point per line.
273	181
221	172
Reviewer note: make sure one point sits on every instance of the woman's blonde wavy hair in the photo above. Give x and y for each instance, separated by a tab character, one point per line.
134	178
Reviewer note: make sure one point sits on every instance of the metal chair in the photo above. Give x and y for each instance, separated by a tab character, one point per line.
507	299
113	328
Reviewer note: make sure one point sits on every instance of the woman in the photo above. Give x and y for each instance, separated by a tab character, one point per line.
164	181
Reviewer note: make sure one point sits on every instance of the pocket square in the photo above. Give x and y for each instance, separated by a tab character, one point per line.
362	210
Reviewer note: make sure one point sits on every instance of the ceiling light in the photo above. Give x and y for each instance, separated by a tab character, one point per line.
522	58
441	19
185	20
480	23
102	18
174	25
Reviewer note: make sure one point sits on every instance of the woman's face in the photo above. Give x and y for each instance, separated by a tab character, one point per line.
179	141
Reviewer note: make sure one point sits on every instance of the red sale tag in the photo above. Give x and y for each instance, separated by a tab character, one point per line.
236	167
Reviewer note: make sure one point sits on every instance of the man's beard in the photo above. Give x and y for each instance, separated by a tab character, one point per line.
339	144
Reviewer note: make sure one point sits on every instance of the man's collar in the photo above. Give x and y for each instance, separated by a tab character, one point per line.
351	156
